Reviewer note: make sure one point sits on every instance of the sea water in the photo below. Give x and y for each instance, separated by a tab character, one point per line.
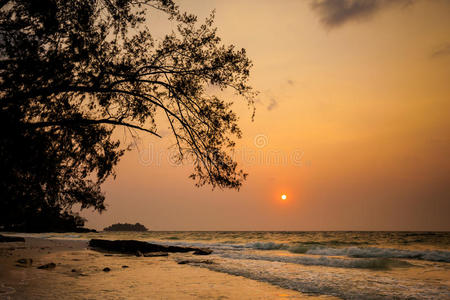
348	265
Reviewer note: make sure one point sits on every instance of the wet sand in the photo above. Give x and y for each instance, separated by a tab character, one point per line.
79	274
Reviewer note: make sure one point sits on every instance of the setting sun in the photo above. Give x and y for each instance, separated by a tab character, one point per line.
283	197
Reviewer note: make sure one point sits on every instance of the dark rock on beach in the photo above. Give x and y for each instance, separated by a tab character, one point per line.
202	251
156	254
185	262
47	266
133	247
106	269
11	239
24	262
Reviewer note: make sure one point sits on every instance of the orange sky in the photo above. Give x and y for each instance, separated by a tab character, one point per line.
353	116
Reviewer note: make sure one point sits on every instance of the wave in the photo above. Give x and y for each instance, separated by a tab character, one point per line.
352	252
298	249
332	243
360	263
297	245
345	285
267	246
374	252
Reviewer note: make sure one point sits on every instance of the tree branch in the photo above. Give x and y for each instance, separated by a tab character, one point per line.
72	122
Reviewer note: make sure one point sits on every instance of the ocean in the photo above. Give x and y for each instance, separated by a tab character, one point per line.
347	265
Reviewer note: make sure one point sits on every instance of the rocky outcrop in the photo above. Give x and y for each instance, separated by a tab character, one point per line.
156	254
188	261
133	247
202	251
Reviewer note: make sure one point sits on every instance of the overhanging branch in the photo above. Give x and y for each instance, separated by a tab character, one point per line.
74	122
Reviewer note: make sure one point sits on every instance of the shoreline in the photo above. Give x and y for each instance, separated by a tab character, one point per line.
129	277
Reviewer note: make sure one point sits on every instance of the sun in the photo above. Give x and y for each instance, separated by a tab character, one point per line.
283	197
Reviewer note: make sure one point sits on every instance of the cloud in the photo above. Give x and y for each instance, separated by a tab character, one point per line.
442	50
272	104
334	13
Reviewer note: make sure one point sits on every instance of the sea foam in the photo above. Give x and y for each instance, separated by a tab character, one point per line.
337	262
374	252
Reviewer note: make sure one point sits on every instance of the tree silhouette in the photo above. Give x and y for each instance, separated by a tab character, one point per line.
73	70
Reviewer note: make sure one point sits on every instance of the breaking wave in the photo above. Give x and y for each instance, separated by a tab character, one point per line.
351	252
362	263
267	246
355	252
322	282
373	252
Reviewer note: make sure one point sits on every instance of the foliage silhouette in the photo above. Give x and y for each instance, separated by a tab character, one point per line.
73	70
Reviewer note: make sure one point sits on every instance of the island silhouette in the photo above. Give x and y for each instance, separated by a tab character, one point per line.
125	227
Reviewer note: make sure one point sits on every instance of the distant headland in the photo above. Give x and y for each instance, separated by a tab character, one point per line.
126	227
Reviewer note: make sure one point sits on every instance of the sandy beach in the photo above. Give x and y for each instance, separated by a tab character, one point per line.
79	274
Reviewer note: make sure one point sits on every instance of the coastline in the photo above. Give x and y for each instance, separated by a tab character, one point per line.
82	270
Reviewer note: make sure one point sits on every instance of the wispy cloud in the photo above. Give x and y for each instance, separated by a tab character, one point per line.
442	50
334	13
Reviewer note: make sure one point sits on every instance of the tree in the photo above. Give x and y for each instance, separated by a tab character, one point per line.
73	70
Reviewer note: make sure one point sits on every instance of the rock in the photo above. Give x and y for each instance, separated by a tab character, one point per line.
73	270
25	262
156	254
106	269
11	239
203	251
132	247
184	262
124	267
139	253
47	266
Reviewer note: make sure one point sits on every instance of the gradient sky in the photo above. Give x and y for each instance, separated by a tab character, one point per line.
352	123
